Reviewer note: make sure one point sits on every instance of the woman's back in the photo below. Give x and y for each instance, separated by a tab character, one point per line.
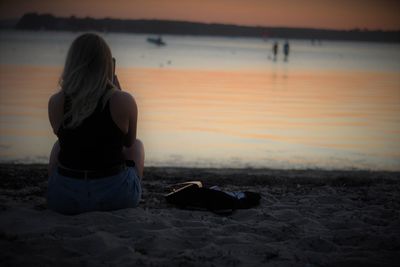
95	144
97	162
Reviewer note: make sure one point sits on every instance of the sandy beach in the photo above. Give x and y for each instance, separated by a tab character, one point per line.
306	218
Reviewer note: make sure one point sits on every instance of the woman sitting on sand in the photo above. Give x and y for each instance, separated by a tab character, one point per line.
97	162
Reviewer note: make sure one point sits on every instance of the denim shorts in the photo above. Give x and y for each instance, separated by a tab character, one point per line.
72	196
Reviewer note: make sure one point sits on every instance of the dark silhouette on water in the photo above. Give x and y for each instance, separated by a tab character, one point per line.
157	41
286	50
275	50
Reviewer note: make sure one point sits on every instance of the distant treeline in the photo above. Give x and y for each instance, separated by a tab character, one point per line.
33	21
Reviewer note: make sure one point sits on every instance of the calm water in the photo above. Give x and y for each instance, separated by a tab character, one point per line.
222	101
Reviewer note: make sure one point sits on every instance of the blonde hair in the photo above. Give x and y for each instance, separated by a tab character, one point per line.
87	78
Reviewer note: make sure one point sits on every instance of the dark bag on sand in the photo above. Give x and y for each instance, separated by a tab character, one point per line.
192	195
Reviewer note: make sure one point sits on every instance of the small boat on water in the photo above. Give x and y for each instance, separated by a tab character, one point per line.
157	41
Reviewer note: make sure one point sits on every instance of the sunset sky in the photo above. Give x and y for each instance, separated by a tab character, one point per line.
333	14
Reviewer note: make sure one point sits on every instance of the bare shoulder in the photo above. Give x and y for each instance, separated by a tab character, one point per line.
56	100
123	100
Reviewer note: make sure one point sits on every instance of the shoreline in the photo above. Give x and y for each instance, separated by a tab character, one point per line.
260	176
306	218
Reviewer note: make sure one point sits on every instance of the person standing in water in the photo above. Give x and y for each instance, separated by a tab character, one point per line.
275	50
286	50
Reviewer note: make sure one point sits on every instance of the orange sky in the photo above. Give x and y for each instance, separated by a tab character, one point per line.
334	14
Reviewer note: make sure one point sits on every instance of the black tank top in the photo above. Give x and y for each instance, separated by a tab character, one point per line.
95	144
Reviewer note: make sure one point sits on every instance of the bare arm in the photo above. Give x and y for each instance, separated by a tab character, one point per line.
55	111
124	112
133	116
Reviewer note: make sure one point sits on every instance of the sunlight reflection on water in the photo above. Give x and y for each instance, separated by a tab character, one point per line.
229	118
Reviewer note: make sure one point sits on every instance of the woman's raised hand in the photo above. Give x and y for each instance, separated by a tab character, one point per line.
116	82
